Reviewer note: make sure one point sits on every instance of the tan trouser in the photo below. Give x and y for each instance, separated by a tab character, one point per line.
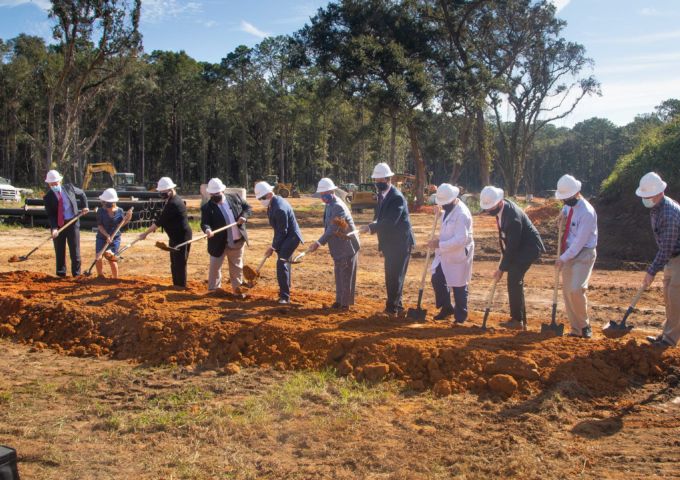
575	276
671	293
235	259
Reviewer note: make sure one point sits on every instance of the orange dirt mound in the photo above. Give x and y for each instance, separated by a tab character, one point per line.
544	214
147	322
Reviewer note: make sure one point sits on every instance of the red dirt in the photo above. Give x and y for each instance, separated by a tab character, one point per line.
151	323
544	214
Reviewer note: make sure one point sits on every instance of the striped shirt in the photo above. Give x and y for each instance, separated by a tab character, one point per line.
666	226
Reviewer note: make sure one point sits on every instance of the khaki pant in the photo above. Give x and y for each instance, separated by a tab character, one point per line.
235	259
575	277
671	293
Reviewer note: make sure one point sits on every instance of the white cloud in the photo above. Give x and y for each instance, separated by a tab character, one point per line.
639	39
42	4
252	29
560	4
650	12
208	23
155	11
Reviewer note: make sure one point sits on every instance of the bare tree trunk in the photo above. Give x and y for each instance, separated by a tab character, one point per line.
142	155
181	152
393	139
282	153
420	164
482	150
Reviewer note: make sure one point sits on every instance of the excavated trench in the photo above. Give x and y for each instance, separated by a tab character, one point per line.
137	319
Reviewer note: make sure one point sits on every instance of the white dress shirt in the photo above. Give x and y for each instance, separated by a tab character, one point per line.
583	229
229	217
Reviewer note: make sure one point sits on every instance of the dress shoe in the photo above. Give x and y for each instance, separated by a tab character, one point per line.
513	325
444	313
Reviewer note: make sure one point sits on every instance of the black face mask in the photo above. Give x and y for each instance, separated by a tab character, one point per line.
216	198
107	205
165	195
448	207
494	211
382	186
570	202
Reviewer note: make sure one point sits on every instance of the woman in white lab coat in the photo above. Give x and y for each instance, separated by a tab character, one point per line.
454	250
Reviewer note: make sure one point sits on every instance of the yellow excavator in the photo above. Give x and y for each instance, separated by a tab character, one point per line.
111	178
284	189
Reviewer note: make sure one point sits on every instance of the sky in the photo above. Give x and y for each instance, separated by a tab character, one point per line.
635	44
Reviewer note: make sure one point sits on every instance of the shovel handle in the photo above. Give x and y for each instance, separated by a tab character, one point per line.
631	308
61	229
262	262
201	237
112	236
429	251
557	270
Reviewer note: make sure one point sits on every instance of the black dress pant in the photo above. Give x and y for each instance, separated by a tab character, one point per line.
178	264
516	272
71	236
396	264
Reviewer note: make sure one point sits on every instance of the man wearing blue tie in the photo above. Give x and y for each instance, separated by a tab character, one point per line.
287	235
222	210
62	203
395	236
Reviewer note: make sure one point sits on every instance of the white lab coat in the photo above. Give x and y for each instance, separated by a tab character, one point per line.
456	247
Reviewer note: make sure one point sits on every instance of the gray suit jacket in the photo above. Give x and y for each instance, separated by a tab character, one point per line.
339	246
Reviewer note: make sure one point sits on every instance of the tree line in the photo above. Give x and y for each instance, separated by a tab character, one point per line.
451	90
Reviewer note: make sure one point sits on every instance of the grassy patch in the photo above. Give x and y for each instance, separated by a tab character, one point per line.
80	386
5	398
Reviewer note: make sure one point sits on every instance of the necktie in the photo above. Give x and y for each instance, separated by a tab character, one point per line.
60	211
566	229
500	238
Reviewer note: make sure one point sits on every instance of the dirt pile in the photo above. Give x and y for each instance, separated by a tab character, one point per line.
544	214
147	322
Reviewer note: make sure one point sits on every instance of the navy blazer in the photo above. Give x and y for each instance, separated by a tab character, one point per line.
282	220
392	222
212	218
74	195
522	241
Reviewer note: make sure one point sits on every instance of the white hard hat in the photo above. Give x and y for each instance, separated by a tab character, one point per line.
490	197
215	185
109	195
165	183
325	185
650	185
446	193
53	176
382	170
262	189
567	187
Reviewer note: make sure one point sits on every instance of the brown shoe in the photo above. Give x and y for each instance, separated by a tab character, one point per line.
513	325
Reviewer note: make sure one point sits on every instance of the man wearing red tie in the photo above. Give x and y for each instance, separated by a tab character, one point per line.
578	246
62	203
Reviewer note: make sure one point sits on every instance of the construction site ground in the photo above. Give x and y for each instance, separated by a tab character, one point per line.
133	378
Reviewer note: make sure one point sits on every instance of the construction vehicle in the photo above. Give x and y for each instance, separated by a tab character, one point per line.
284	189
110	178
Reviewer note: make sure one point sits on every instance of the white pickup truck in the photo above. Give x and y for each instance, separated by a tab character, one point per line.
8	193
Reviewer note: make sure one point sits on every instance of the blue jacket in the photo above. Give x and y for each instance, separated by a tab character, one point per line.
282	220
75	196
392	222
339	246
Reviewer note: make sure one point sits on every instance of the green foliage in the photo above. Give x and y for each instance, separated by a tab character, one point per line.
659	151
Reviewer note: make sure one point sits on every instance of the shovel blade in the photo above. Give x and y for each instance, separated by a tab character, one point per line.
552	329
616	330
416	314
164	247
15	259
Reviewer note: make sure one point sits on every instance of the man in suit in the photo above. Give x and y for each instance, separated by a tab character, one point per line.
287	235
225	209
395	236
344	249
521	246
62	203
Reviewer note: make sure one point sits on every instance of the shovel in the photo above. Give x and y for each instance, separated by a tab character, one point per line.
251	275
164	246
23	258
418	314
489	302
100	254
297	258
616	330
118	256
553	327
